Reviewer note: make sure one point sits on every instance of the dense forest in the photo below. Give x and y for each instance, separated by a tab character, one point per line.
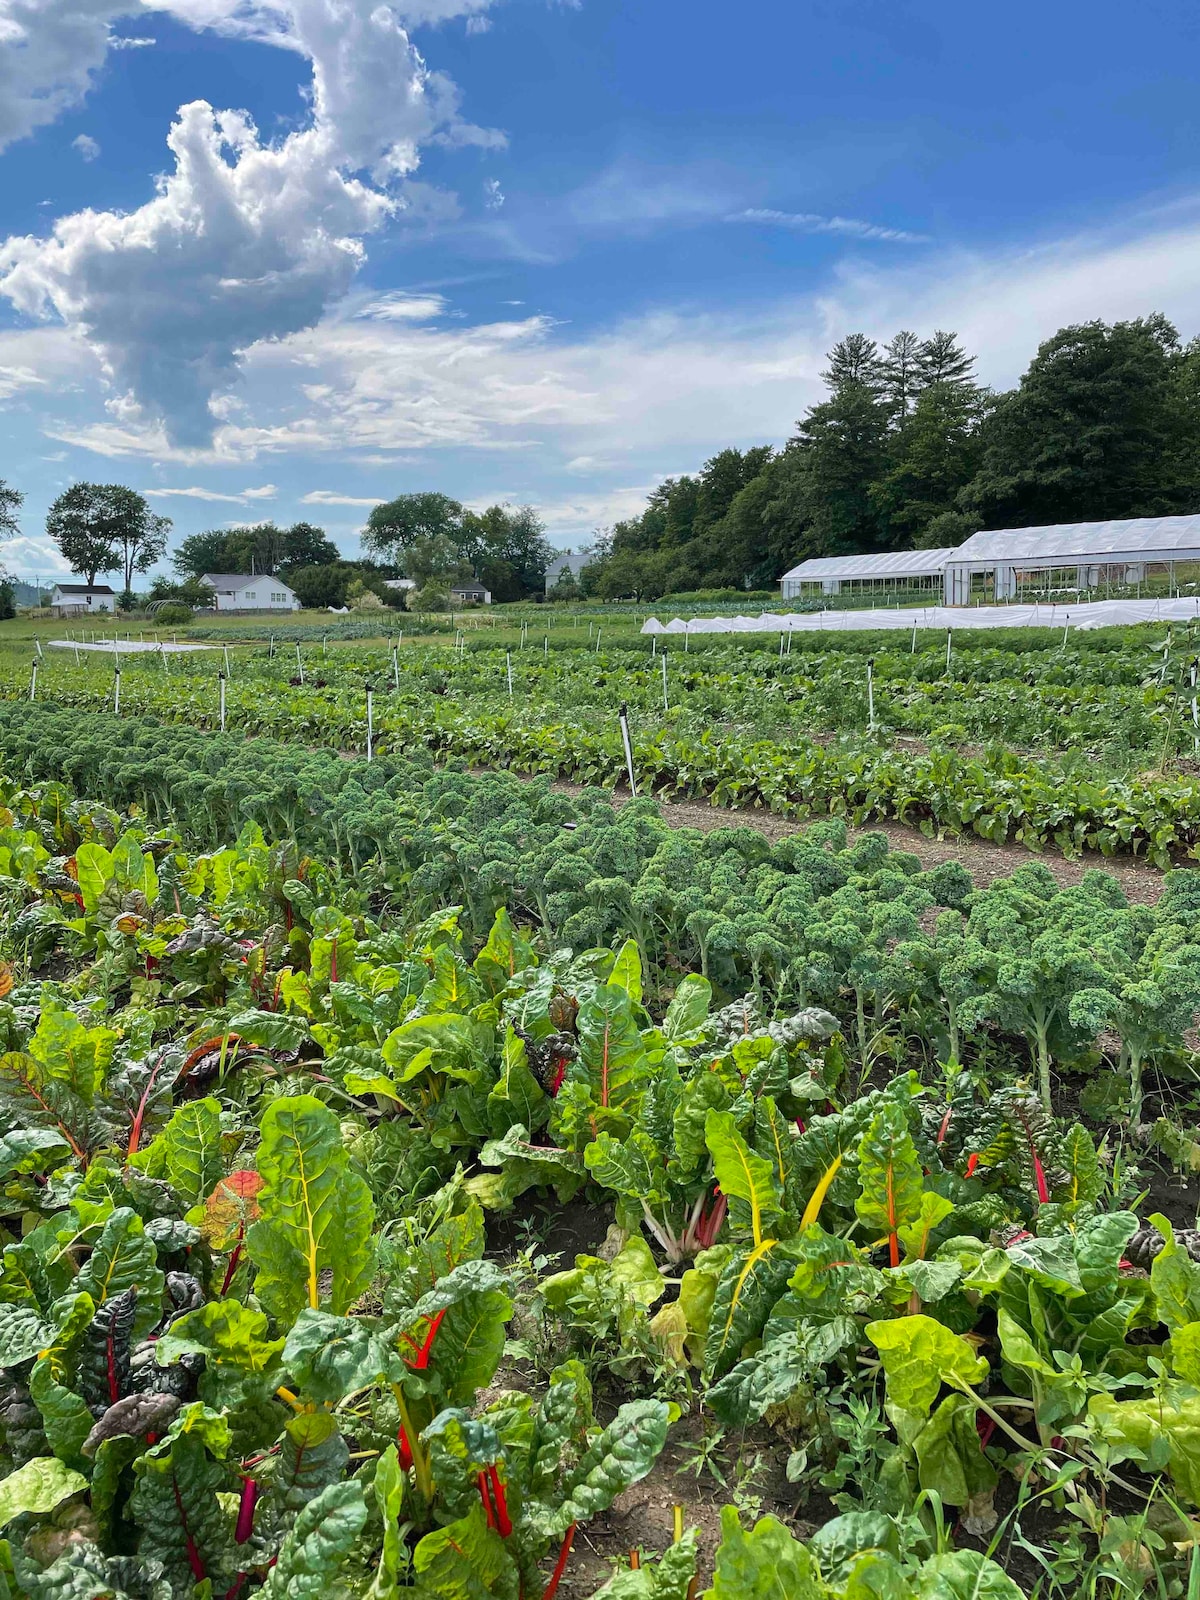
910	450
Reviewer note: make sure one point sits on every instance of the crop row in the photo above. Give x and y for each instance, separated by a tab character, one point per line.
998	794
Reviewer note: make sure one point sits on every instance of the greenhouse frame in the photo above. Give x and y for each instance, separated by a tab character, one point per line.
886	572
1114	559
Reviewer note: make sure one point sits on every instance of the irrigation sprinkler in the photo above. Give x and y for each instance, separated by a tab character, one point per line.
221	689
162	656
37	644
508	659
370	723
624	715
666	707
33	679
116	691
225	647
299	664
870	694
1066	629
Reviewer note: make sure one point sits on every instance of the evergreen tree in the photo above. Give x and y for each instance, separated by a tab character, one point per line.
844	441
902	371
930	459
943	360
854	360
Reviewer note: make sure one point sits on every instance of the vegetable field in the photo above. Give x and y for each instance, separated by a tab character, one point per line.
419	1180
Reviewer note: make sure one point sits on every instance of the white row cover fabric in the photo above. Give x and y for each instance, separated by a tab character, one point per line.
129	647
1096	614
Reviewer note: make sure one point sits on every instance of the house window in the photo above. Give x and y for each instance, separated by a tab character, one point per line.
250	595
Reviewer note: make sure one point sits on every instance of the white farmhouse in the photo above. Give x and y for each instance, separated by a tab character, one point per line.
81	599
240	591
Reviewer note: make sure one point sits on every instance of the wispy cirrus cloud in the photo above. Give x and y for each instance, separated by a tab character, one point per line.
814	222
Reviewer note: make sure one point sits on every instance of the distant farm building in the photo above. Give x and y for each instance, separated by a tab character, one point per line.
567	564
241	591
471	594
81	599
874	574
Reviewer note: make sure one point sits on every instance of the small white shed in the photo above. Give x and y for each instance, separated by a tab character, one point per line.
82	599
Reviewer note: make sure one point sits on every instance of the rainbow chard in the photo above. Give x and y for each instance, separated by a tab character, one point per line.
520	1477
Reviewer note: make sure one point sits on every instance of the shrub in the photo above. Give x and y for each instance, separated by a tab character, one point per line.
173	614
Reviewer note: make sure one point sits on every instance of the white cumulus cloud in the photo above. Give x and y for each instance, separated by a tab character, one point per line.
246	240
87	146
267	491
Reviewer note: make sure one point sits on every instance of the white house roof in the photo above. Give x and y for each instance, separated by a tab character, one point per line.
1083	541
883	564
234	582
82	588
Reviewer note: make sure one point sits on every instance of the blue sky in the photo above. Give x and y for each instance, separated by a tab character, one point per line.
285	258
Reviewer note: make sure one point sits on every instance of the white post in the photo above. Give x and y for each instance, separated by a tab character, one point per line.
687	636
870	695
225	647
162	656
1066	629
324	645
949	641
666	707
117	692
598	632
33	680
508	658
628	750
653	645
270	647
299	664
221	683
370	722
396	670
38	646
546	647
76	653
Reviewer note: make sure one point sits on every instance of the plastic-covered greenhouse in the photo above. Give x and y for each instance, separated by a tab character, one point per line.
885	572
1092	559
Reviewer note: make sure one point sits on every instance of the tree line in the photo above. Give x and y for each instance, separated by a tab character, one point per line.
103	528
909	450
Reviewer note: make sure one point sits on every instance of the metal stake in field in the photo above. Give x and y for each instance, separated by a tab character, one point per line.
1066	629
396	670
546	647
781	644
116	691
324	645
913	651
624	716
76	652
37	644
270	647
33	679
687	636
598	632
370	723
870	694
226	650
949	642
299	664
221	691
666	707
508	659
1195	711
653	645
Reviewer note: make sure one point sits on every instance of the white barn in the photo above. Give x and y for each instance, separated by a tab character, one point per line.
82	599
240	591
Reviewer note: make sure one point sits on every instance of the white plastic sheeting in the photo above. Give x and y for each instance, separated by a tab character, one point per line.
1096	614
129	647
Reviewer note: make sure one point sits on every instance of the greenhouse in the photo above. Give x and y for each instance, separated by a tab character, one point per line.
1159	555
886	572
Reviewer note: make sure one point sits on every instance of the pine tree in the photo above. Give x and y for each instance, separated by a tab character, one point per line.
900	370
943	360
854	360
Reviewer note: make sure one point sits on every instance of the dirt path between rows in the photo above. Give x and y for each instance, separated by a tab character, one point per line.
1141	881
